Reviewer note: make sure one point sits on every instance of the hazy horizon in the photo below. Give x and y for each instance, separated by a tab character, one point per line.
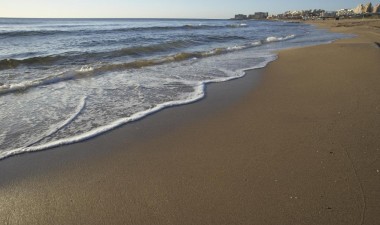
196	9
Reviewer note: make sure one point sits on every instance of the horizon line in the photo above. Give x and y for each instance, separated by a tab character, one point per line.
165	18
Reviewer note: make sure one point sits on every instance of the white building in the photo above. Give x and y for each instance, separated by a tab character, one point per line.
345	12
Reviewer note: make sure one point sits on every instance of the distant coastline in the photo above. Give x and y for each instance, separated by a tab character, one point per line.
361	11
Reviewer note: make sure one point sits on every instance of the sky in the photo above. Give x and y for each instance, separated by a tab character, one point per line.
218	9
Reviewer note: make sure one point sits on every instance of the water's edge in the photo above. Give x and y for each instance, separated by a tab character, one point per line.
218	98
198	95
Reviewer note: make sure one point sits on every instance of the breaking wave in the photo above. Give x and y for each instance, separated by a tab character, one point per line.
50	32
197	94
87	70
97	56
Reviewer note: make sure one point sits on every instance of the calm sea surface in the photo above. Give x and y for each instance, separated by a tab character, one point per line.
66	80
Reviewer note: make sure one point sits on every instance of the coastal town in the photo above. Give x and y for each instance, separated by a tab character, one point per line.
362	10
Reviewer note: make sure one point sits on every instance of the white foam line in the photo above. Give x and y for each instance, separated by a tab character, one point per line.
199	94
78	110
196	96
275	39
12	87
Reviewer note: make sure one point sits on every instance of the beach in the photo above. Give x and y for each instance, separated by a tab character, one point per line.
296	142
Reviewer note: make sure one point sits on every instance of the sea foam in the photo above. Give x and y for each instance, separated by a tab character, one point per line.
196	95
64	81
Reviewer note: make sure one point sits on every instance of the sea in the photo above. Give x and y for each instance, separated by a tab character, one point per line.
67	80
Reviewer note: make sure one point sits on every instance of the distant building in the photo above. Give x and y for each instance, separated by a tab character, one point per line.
241	17
345	12
259	16
329	14
315	14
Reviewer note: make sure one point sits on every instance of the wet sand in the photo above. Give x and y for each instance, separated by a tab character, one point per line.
295	143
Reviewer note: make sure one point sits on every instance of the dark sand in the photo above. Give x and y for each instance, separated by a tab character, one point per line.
301	148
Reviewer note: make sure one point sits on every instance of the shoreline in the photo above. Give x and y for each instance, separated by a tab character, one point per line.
131	119
218	97
294	150
40	143
198	95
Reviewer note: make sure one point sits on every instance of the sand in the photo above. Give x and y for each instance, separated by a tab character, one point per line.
302	147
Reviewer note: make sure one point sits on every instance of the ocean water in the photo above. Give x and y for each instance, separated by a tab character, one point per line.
67	80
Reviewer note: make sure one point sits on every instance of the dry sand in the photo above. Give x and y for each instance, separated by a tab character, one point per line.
301	148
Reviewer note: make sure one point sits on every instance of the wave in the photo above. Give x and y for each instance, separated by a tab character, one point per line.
56	128
177	57
87	70
28	33
274	39
93	56
199	93
148	49
24	85
131	51
41	60
97	56
238	25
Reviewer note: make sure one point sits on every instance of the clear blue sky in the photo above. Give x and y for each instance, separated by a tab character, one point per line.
160	8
